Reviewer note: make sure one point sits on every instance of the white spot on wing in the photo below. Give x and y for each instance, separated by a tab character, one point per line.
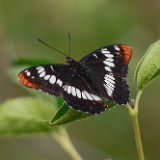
95	56
42	74
65	87
69	89
110	84
95	97
52	80
109	91
47	77
52	68
28	73
104	51
83	95
109	59
78	92
74	91
116	48
109	76
41	69
110	64
88	95
59	82
108	69
110	80
109	55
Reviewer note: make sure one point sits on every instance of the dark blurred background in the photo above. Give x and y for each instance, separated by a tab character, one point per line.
92	24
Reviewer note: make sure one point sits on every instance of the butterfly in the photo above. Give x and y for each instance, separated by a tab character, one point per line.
83	84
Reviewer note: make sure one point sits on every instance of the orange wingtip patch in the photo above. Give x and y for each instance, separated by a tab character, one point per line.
127	53
23	79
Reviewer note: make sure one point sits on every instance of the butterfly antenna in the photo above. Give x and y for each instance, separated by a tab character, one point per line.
69	43
51	47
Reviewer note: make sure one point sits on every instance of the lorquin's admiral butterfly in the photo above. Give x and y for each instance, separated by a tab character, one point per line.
83	84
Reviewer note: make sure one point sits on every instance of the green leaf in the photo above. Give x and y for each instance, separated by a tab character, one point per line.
25	116
149	66
66	115
29	62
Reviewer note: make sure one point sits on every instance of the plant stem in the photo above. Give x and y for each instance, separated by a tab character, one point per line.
64	140
134	116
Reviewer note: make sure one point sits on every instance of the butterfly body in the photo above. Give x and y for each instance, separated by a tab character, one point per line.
84	83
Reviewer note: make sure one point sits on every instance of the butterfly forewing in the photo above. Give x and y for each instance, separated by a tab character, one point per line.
48	78
113	58
110	65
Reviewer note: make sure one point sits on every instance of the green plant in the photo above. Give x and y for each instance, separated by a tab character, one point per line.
32	115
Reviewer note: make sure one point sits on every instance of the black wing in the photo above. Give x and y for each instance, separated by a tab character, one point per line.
64	80
80	95
104	72
48	78
110	65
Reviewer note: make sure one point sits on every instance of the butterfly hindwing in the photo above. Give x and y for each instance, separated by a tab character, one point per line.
82	96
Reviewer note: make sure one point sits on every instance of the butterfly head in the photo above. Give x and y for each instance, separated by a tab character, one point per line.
69	60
